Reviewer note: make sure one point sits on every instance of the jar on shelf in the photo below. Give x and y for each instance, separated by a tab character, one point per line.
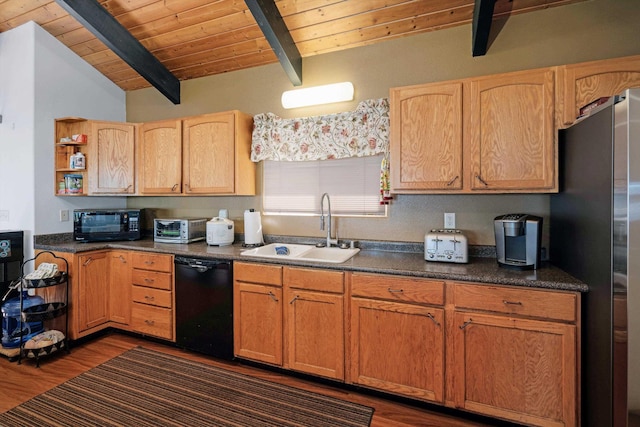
77	161
73	183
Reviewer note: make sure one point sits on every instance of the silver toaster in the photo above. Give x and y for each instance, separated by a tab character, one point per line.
447	245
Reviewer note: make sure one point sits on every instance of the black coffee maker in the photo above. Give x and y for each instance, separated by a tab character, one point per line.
518	238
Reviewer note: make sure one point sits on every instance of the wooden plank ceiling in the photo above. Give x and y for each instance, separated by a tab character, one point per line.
197	38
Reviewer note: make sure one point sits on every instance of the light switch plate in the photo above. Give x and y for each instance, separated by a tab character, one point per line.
64	215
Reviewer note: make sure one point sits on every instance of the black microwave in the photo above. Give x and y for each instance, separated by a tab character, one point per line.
91	225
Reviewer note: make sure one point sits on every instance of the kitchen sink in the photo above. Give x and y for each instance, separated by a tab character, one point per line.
302	252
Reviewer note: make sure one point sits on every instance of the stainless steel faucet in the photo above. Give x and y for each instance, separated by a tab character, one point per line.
330	241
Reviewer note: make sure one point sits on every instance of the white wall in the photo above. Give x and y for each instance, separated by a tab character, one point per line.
41	80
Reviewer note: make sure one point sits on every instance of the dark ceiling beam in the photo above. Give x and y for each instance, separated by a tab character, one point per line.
482	17
108	30
268	16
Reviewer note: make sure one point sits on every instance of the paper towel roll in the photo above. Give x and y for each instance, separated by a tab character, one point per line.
252	228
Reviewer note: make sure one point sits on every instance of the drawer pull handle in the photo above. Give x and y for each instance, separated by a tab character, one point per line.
149	298
124	261
150	322
149	280
175	187
273	296
452	181
505	302
395	291
87	262
465	324
430	316
149	262
294	299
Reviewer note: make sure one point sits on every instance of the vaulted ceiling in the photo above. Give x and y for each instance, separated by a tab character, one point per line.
196	38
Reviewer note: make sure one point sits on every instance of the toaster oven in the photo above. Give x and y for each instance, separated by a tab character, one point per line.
179	230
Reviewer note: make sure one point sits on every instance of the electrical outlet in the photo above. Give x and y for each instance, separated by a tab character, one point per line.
64	215
449	220
4	215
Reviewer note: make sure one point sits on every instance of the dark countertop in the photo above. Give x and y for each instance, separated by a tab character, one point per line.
479	269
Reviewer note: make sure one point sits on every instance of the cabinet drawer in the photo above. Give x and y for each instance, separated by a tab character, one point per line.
156	321
149	261
151	296
397	288
526	302
151	279
258	273
314	279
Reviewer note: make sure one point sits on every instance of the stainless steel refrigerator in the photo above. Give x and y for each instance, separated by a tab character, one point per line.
595	236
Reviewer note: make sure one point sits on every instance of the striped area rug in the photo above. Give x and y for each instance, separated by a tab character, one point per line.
143	387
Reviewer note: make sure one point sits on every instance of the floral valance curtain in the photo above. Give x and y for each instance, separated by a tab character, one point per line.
358	133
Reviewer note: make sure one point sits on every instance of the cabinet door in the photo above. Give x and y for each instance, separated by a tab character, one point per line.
209	154
398	348
511	132
160	157
111	158
257	322
120	287
517	369
93	290
426	137
314	327
587	82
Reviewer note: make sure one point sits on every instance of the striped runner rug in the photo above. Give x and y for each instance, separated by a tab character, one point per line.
143	387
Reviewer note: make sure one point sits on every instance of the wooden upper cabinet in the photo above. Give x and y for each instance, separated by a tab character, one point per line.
584	83
510	132
160	157
111	158
426	137
216	154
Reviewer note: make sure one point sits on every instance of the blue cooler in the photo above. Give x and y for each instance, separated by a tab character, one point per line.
11	319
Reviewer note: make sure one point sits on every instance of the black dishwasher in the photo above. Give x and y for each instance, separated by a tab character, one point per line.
204	306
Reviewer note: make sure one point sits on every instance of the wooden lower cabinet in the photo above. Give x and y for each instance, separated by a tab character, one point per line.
120	286
257	312
314	321
398	348
290	317
517	369
129	290
523	368
152	309
397	335
93	290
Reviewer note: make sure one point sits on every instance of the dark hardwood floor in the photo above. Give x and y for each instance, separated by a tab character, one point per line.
21	382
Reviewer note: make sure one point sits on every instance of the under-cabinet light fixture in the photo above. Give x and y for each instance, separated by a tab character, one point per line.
316	95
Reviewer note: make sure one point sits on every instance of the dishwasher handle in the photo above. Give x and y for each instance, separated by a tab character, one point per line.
201	265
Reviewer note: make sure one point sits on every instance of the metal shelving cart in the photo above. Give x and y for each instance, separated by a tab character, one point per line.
51	310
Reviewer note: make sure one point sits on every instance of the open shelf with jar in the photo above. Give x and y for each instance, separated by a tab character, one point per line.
72	134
